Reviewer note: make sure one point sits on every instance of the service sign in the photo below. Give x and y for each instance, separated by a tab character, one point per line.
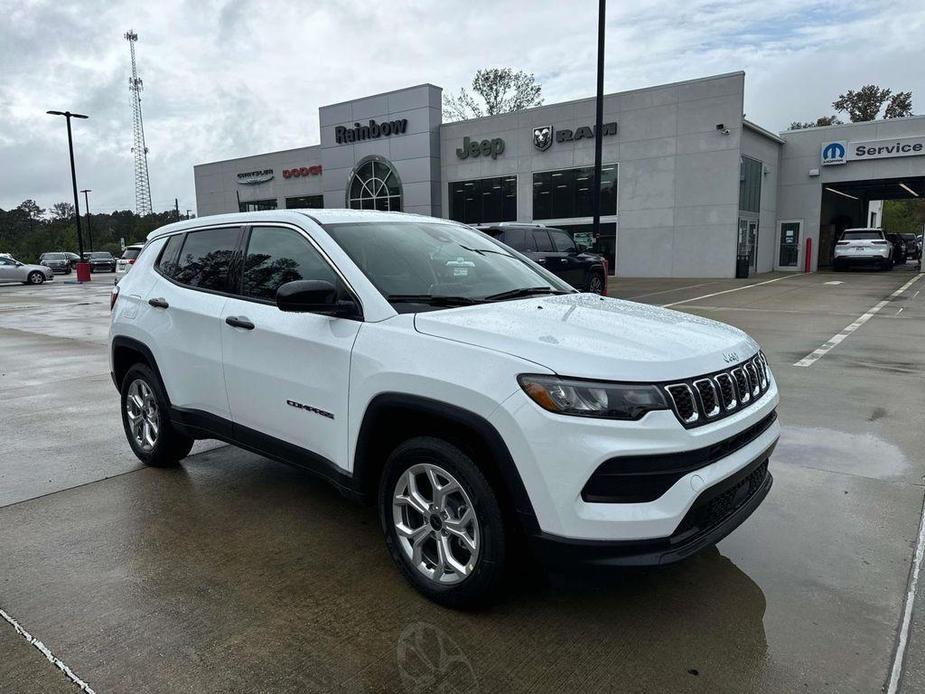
842	152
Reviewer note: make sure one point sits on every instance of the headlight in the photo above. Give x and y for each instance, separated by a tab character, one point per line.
600	399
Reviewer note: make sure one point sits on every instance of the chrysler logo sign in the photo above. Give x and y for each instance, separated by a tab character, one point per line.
543	135
252	177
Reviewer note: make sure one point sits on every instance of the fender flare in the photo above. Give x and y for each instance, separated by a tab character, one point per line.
366	469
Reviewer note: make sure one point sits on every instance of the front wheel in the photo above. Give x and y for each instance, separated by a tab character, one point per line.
442	523
146	420
36	277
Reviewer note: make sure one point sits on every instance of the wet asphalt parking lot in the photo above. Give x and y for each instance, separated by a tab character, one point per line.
234	573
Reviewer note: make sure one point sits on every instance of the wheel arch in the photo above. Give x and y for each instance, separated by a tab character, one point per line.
391	418
126	352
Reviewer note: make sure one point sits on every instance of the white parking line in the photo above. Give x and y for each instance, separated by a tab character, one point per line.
827	347
668	291
84	687
727	291
907	611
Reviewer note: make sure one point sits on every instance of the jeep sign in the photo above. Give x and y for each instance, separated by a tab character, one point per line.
486	148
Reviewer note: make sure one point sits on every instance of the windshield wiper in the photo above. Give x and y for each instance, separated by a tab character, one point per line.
483	251
431	299
523	291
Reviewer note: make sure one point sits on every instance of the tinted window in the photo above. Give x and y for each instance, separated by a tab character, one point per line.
55	256
750	174
515	238
562	241
101	255
205	258
130	253
567	193
861	235
276	256
484	200
306	201
168	262
541	239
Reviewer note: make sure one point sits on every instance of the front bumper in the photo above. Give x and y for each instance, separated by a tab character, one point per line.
715	514
557	455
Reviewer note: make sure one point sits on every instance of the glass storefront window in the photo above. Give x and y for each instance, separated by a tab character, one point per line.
484	200
606	245
567	193
257	205
750	173
312	202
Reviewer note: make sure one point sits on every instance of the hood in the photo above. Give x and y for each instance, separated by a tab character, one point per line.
589	336
29	268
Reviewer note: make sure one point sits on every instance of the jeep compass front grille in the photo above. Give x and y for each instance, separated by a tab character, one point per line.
704	399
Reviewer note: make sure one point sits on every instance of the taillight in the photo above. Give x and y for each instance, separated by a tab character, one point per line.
131	261
113	296
606	275
879	243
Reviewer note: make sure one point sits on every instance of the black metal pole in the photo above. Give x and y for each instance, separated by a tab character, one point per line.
70	147
87	208
599	124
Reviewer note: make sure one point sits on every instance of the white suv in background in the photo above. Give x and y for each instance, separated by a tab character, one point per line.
474	397
863	247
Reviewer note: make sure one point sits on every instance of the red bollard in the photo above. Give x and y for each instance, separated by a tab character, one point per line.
808	257
83	272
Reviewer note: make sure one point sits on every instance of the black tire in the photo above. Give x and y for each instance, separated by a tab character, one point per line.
479	588
36	277
68	271
596	282
170	446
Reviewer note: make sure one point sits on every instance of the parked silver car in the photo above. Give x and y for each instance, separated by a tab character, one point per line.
11	270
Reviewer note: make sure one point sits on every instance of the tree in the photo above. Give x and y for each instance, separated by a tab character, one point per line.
865	103
502	90
62	211
904	216
31	208
820	122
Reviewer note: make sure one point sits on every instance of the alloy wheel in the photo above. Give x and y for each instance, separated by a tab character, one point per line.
143	415
596	285
436	524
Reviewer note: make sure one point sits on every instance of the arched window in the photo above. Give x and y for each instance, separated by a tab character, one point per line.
374	186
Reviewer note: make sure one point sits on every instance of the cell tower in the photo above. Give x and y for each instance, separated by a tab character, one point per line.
139	149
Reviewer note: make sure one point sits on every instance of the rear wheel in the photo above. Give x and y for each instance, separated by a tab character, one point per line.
442	523
146	420
36	277
596	283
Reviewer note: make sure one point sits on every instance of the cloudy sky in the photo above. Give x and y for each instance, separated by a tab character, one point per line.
235	77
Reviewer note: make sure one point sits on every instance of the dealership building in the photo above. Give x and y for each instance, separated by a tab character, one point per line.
688	183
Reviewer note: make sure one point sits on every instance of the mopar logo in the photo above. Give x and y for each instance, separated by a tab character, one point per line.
833	153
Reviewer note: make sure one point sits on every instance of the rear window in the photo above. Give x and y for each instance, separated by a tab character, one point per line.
205	258
130	253
55	256
101	255
862	235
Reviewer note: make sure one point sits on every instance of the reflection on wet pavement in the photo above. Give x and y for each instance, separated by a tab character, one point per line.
864	454
256	577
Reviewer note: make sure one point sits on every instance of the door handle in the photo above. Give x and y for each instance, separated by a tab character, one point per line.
159	303
541	260
563	260
242	322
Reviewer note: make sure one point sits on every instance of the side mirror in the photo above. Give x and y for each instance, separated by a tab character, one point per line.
315	296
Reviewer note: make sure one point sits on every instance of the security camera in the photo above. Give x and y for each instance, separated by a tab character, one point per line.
723	130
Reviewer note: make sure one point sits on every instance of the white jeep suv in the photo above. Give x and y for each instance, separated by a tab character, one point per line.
477	399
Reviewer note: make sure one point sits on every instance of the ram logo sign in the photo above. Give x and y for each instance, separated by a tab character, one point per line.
834	153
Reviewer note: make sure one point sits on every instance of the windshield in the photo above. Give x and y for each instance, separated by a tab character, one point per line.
55	256
100	255
406	260
861	235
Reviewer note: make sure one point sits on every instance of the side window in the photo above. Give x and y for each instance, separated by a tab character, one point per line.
205	258
168	261
541	239
515	238
563	241
275	256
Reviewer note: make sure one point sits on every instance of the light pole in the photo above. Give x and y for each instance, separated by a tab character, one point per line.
70	145
87	208
599	124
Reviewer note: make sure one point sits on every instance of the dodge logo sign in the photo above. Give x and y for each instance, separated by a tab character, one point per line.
542	137
834	153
